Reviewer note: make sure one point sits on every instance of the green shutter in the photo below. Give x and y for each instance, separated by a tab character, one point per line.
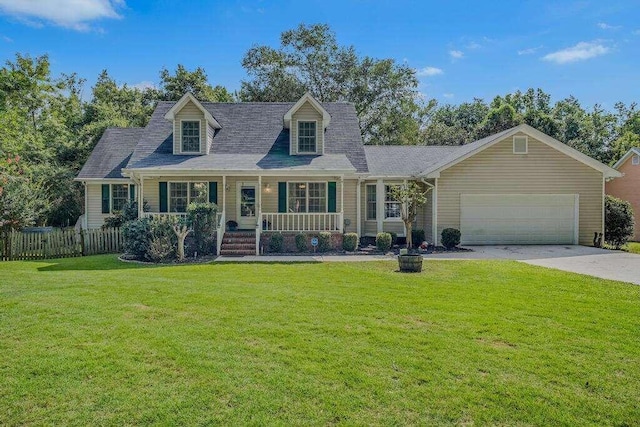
331	203
213	192
132	192
282	197
164	199
105	198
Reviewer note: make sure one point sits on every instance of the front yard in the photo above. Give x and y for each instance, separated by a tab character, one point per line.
90	341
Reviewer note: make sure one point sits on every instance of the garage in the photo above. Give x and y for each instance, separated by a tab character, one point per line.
519	219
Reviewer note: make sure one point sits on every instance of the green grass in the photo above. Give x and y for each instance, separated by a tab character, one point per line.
91	341
633	247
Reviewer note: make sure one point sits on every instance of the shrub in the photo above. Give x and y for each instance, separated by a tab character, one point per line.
383	241
394	238
162	229
450	238
618	227
301	242
324	241
160	249
350	242
417	237
129	213
137	236
202	219
276	243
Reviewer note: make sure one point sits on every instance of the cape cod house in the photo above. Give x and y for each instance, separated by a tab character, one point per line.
303	167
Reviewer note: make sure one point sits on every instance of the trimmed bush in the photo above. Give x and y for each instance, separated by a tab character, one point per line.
202	219
618	227
450	238
129	213
383	241
394	238
324	241
301	242
137	236
417	237
276	244
350	242
161	231
160	249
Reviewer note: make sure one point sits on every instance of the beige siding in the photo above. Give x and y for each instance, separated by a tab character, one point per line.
94	215
210	133
306	113
544	170
350	208
189	112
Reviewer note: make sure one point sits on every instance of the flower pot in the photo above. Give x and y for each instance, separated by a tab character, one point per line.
410	263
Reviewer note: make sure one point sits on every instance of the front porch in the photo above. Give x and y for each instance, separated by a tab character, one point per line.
261	204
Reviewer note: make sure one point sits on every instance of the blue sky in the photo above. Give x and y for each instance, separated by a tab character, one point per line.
589	49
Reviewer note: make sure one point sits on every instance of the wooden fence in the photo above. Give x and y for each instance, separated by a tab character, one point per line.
59	243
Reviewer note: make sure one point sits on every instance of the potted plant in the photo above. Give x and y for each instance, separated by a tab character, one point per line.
232	225
411	196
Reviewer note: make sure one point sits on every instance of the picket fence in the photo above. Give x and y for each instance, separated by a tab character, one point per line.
59	243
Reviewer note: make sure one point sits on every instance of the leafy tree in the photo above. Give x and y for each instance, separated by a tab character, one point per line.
173	87
411	196
618	221
20	204
309	59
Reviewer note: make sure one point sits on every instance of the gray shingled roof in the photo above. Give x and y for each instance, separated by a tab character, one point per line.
404	160
111	153
253	137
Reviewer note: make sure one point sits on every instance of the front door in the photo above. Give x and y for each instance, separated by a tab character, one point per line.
247	207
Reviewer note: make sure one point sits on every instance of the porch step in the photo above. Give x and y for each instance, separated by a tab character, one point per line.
238	243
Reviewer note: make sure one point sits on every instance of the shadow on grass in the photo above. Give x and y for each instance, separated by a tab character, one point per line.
92	263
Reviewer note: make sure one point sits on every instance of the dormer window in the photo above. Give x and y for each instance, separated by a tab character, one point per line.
190	136
306	137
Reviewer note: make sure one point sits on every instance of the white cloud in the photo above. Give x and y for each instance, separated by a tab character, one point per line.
605	26
636	32
474	45
529	51
145	84
456	54
580	52
73	14
7	39
448	95
428	72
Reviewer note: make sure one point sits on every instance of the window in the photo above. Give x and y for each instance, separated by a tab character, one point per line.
307	197
371	202
520	144
119	196
306	137
191	136
635	160
183	193
391	206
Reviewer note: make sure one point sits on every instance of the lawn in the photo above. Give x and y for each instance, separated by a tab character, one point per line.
91	341
633	247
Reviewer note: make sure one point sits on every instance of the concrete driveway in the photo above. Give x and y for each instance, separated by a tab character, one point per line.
606	264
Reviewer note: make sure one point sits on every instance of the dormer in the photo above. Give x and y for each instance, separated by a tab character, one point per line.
306	121
193	126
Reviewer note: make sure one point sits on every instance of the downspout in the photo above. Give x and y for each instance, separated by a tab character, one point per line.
85	220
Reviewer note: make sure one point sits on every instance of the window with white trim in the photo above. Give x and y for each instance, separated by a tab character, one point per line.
520	145
119	196
391	206
306	137
307	197
191	136
371	202
183	193
635	160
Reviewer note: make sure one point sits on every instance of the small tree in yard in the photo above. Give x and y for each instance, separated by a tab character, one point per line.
618	221
411	196
182	230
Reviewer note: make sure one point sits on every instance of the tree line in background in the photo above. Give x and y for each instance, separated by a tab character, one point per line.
48	126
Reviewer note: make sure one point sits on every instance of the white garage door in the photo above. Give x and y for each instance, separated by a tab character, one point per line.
518	219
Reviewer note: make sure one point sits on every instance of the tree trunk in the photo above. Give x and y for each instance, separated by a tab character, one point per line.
181	233
408	226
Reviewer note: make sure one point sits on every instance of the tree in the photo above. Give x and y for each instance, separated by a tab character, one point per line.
309	59
20	204
411	196
622	145
173	87
181	230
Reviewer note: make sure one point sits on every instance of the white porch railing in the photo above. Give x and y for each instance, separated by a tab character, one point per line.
302	221
176	215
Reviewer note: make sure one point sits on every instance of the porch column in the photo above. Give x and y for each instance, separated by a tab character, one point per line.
379	204
224	195
258	214
342	203
434	212
358	208
141	197
404	227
